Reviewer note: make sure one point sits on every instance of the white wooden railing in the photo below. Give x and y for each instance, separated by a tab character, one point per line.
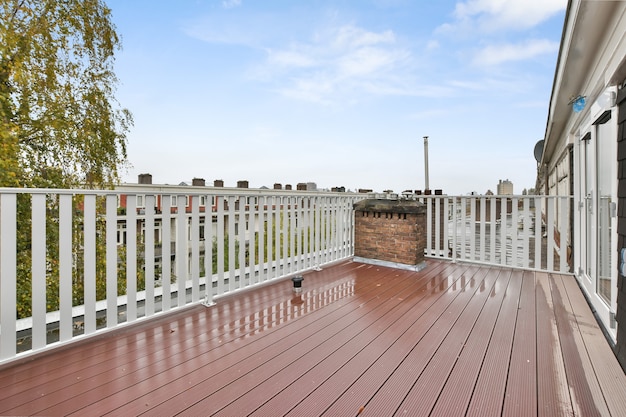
517	231
60	246
64	254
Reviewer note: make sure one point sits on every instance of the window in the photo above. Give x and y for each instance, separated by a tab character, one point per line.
140	201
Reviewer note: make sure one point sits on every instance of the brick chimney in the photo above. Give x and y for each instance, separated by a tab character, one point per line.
145	179
287	186
301	186
390	233
198	182
218	183
278	186
242	184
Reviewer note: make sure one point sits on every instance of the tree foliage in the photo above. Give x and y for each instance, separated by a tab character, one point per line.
60	123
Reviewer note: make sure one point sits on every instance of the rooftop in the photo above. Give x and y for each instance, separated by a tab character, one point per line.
452	339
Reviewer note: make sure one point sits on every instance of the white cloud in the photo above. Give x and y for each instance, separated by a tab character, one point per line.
495	15
340	60
498	54
292	58
229	4
353	37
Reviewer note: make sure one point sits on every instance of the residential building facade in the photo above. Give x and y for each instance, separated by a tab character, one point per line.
584	153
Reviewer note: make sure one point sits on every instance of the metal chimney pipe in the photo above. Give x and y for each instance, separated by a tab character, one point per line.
426	162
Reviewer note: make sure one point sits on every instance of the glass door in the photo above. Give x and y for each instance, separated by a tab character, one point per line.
606	154
598	220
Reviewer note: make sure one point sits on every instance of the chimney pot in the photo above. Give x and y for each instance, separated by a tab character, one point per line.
145	179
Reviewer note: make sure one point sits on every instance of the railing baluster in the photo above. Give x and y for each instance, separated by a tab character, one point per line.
563	235
284	232
38	270
472	228
538	237
483	222
444	223
241	220
148	258
89	248
166	251
252	231
261	238
514	220
208	250
526	242
492	229
318	231
194	236
438	216
220	236
292	235
463	228
550	233
131	258
503	218
271	213
66	325
429	225
324	231
454	228
8	270
232	284
182	252
111	259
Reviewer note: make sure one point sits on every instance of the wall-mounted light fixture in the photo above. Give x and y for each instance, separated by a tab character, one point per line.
578	103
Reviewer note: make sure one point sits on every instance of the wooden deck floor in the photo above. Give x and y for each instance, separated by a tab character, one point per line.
451	340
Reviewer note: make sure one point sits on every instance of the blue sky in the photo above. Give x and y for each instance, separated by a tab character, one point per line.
339	93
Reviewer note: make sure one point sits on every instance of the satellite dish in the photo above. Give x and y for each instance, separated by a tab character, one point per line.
538	151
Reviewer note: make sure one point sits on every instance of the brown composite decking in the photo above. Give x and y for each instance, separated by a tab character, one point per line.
451	340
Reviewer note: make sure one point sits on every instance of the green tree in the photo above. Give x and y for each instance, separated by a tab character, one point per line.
60	124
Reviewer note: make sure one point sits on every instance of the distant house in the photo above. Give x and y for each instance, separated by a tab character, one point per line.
584	154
